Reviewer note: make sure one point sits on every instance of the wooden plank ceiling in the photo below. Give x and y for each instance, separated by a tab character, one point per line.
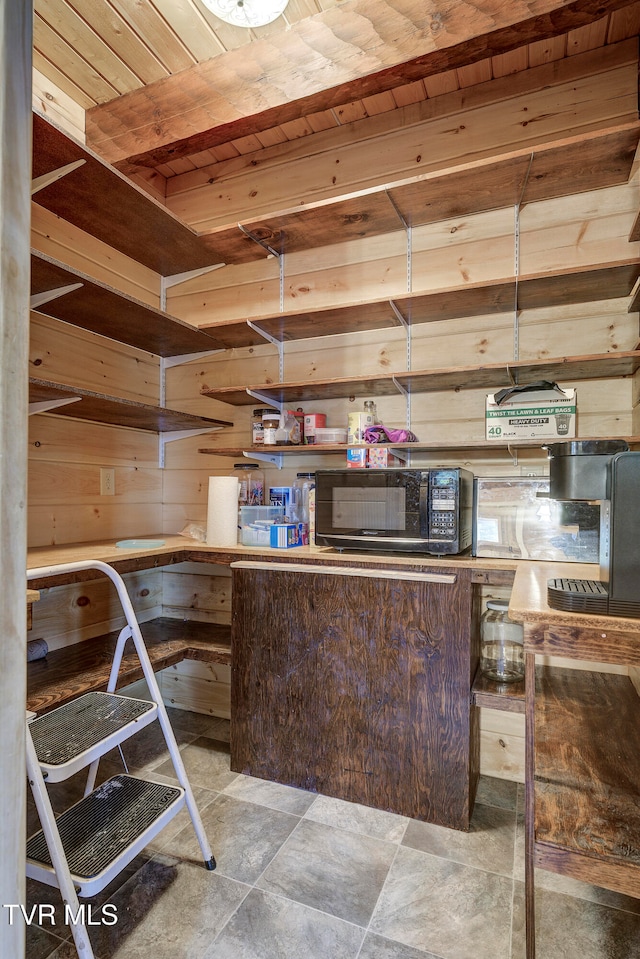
169	88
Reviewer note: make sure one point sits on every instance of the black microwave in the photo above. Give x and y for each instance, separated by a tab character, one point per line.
410	510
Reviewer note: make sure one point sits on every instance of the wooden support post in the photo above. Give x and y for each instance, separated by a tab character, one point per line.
15	209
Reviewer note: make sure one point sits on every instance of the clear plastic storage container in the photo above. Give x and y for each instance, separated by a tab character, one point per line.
330	434
250	484
502	644
303	490
256	523
302	486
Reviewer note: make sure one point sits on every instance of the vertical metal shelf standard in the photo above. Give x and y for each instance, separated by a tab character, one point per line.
167	362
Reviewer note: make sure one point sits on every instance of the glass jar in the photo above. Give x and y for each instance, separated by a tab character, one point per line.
370	408
502	649
257	425
270	426
302	486
250	484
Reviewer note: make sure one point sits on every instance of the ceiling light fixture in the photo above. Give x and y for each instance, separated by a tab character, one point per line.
247	13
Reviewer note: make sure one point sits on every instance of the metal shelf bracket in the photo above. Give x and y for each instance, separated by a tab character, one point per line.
407	328
280	258
166	362
407	397
166	282
276	459
45	405
516	263
39	299
403	322
404	455
279	345
267	400
170	437
40	182
409	234
265	246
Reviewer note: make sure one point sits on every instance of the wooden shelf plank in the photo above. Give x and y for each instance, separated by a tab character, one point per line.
353	318
101	309
600	281
300	392
83	667
494	376
116	411
587	161
587	775
104	203
577	164
507	697
490	377
320	449
89	195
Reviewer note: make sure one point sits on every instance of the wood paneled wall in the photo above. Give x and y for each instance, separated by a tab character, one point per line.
568	232
65	455
77	612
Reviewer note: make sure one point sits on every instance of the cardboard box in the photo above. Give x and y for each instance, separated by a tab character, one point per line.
540	414
357	459
286	535
381	459
282	496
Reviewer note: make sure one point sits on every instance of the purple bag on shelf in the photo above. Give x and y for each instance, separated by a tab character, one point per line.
382	434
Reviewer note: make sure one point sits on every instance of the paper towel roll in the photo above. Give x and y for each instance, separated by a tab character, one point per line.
222	511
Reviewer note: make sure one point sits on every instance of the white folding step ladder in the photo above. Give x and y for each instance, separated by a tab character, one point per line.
82	850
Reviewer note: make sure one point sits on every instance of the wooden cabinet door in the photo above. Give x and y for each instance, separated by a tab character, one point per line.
357	686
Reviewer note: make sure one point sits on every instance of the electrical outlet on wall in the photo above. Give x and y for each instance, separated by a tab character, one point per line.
107	481
532	471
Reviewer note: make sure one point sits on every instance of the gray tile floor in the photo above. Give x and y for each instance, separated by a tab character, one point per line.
303	875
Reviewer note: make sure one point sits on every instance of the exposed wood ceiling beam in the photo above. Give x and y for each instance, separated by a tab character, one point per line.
321	62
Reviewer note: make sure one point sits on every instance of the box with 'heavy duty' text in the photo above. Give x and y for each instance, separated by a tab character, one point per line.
539	414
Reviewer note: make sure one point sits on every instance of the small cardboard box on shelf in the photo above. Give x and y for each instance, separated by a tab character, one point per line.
540	414
382	458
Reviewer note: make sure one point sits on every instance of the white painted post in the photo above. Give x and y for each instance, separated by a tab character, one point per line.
15	209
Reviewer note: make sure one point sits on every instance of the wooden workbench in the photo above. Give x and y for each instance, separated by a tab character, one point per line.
582	787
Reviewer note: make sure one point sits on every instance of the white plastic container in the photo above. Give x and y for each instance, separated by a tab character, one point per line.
330	434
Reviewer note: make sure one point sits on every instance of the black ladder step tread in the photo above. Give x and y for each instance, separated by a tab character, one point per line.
72	729
98	829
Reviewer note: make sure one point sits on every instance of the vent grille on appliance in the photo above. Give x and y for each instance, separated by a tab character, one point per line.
578	595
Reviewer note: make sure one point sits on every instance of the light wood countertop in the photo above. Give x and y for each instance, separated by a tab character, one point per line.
105	551
528	602
178	548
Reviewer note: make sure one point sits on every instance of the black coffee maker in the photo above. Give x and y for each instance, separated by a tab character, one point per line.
608	472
